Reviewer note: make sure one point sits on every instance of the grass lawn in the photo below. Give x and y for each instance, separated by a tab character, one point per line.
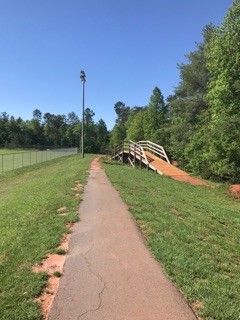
7	151
193	231
30	227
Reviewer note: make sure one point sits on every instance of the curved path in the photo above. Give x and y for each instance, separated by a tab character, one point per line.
109	273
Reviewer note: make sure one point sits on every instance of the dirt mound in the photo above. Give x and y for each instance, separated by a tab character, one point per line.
235	190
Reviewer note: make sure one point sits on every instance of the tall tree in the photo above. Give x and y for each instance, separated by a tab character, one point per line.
4	129
89	131
102	136
135	127
223	54
119	132
189	99
72	130
122	111
54	129
35	128
156	115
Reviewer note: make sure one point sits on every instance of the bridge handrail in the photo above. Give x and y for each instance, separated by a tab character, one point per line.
154	148
133	146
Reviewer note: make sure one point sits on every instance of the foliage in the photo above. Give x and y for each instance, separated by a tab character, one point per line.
213	148
119	131
135	125
193	231
141	123
51	131
155	115
189	99
224	95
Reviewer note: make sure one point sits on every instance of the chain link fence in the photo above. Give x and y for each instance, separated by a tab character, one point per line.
11	161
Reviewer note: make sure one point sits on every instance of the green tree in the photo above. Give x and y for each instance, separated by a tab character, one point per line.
54	129
35	129
223	54
135	126
90	134
189	102
156	115
119	131
122	112
4	128
102	136
72	130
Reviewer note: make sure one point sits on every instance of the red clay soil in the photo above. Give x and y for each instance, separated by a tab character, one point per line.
235	190
52	264
189	179
95	164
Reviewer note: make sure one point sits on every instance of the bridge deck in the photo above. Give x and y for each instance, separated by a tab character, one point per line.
168	169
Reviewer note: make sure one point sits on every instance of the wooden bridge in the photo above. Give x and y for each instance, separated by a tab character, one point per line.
152	156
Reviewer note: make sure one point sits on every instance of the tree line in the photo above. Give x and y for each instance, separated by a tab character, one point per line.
54	131
199	124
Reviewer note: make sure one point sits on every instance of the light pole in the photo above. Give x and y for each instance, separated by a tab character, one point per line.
83	80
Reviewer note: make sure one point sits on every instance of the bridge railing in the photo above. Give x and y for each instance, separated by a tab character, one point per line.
138	151
154	148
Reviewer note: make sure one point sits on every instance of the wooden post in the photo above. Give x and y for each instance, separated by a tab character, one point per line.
134	154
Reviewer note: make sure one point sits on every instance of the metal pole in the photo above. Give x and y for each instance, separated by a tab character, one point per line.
83	119
83	80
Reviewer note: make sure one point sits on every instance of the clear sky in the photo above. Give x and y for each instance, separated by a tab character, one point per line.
125	47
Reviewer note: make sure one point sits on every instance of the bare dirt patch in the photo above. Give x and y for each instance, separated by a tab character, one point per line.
62	211
52	265
197	306
235	190
95	164
189	179
78	187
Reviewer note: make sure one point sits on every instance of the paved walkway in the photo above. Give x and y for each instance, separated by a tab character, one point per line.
109	273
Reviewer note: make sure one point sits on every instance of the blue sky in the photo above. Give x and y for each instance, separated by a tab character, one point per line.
126	48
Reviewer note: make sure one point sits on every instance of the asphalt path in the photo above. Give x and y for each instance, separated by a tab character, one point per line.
109	273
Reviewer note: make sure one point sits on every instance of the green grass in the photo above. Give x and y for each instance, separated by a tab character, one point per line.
193	231
7	151
30	227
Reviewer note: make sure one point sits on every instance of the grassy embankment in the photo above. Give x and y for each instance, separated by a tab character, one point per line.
193	231
30	227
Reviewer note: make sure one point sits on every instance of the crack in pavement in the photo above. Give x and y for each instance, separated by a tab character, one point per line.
99	278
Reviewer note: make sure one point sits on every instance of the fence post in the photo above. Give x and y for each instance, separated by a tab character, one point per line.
2	162
13	161
134	154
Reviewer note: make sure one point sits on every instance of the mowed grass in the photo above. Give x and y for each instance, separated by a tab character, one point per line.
193	231
30	227
7	151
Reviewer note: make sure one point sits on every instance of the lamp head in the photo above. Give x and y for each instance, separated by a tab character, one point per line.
82	76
